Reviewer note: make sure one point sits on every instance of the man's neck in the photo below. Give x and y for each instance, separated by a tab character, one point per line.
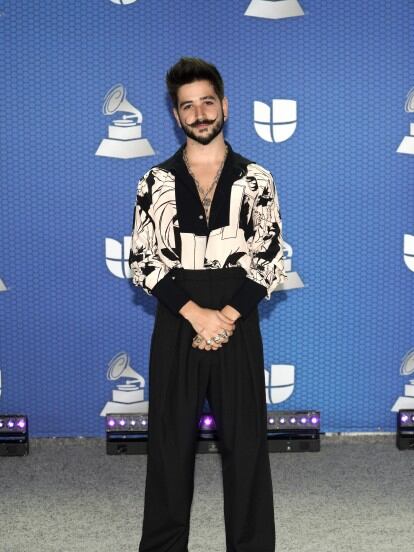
200	154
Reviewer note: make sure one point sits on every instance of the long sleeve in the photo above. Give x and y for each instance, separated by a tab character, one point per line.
265	249
148	269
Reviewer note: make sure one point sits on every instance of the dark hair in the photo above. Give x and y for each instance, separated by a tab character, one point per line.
190	69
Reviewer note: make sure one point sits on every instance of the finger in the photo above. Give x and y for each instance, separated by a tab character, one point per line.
211	346
225	318
218	342
222	336
201	345
197	340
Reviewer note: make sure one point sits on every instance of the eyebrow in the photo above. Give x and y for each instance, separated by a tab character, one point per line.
202	98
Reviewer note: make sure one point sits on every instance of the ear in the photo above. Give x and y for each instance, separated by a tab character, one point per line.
225	106
176	117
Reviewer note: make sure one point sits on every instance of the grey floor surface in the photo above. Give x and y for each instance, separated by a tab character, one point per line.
68	495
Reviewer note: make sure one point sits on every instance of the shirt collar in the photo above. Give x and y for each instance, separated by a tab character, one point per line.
234	160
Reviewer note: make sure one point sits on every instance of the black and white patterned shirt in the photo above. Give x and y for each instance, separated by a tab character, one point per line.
170	230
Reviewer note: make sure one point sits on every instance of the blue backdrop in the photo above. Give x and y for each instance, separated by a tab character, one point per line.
336	335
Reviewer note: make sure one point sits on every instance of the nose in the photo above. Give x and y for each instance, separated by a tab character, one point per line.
198	112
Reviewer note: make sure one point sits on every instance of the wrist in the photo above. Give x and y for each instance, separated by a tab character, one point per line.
189	309
231	312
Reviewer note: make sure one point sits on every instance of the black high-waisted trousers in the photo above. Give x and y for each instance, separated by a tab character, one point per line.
232	379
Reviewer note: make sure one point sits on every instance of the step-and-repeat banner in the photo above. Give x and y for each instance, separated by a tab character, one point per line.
320	93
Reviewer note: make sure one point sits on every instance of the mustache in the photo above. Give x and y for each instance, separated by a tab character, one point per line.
203	122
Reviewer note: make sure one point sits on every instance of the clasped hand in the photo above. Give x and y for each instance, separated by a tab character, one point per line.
210	323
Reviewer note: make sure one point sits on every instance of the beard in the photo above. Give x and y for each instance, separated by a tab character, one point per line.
207	138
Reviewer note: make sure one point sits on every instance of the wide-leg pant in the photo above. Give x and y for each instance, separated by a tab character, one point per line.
232	379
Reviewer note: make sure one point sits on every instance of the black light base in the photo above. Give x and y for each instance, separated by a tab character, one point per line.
405	429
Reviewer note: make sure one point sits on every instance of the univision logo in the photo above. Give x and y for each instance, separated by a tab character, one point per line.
279	382
117	256
409	251
275	123
123	2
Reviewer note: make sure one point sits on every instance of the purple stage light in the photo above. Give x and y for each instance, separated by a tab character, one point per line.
303	420
207	422
111	422
314	420
21	424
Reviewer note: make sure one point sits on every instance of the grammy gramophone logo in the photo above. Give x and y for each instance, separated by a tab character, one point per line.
3	286
128	397
274	9
124	133
407	144
406	369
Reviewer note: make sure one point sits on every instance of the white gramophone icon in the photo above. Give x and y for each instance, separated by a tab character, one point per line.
274	9
124	135
294	281
407	144
128	397
407	368
3	286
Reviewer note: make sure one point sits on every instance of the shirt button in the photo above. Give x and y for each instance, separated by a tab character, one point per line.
200	216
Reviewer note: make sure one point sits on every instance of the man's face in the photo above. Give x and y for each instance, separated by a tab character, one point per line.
200	112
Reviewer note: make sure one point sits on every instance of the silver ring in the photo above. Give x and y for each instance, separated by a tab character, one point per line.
217	338
223	334
209	341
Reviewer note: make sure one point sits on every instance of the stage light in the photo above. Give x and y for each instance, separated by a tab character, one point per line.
405	429
126	433
297	431
14	435
207	435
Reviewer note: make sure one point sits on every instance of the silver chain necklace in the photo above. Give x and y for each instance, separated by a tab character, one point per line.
206	201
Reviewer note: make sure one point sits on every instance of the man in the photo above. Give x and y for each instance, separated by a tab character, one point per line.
207	243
